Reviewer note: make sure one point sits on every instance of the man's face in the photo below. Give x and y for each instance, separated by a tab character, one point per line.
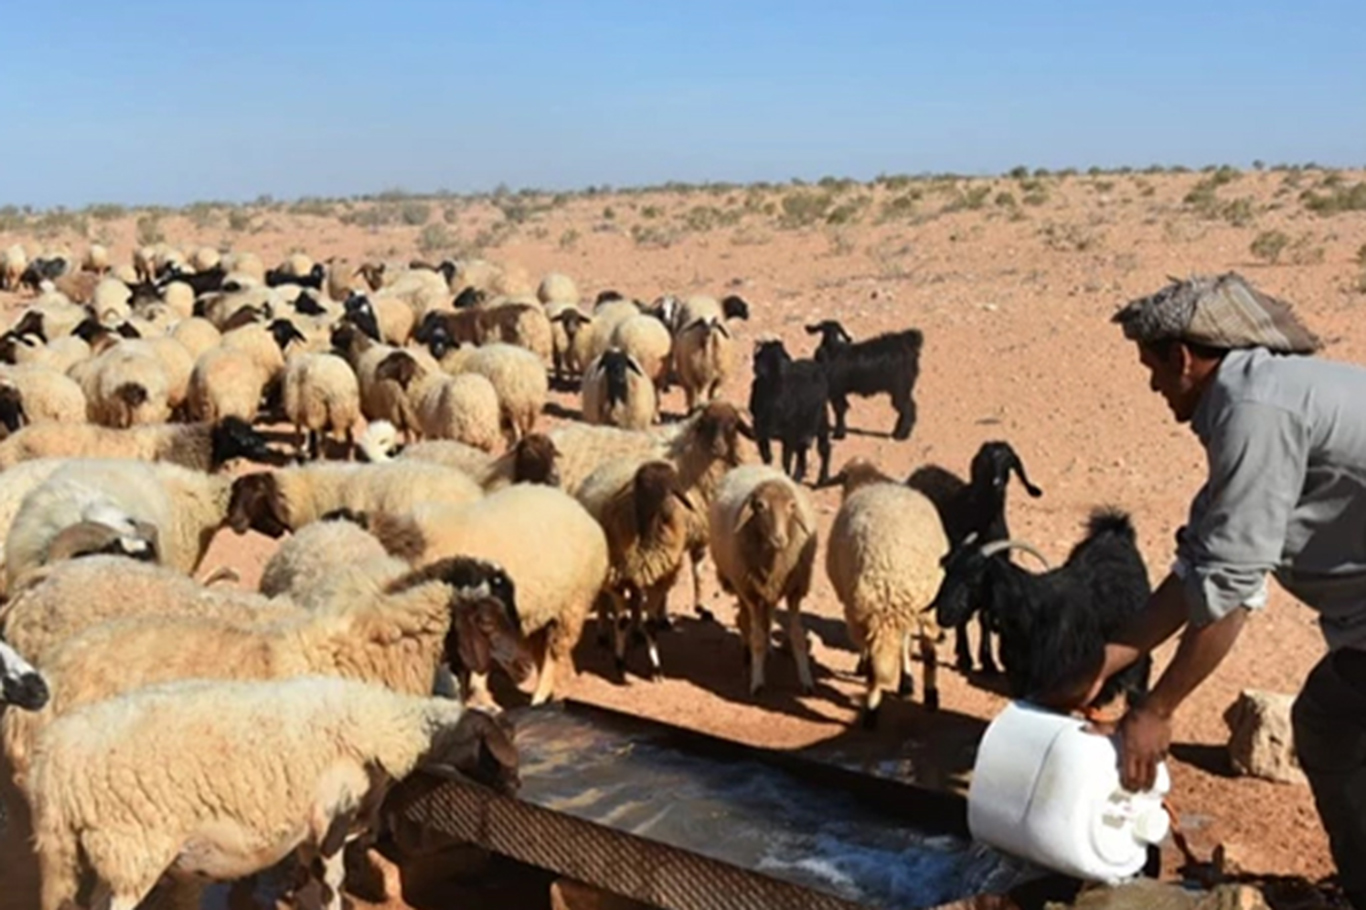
1171	377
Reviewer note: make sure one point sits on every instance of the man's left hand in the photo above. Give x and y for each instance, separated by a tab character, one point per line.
1144	736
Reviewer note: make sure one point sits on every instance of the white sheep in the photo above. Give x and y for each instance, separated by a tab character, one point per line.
205	258
321	395
184	507
13	262
41	395
606	318
883	559
109	794
225	382
200	446
126	386
568	339
518	376
196	334
703	352
647	517
463	407
618	392
647	340
555	552
557	287
317	552
273	502
763	541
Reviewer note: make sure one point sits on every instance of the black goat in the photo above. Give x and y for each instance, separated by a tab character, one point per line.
211	279
888	363
787	400
976	508
1054	624
468	297
40	270
314	278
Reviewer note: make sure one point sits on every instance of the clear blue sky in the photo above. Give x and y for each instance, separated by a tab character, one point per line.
170	102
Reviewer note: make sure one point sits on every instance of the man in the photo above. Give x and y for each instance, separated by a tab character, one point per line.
1285	436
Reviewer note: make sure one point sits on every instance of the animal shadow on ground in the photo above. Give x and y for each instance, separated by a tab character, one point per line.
871	434
1210	759
555	409
710	656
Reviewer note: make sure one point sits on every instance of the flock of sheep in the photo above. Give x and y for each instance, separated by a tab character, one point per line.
449	536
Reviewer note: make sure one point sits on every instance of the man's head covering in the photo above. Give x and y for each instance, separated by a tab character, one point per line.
1224	311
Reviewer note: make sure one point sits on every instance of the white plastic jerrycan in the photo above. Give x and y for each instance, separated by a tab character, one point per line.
1047	790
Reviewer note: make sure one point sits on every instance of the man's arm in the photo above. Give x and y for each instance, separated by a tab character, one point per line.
1165	613
1145	731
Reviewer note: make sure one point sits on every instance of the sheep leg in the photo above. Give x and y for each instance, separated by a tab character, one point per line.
840	405
796	634
549	663
760	627
907	686
823	450
656	620
695	556
884	655
765	449
350	437
801	462
984	656
605	622
930	659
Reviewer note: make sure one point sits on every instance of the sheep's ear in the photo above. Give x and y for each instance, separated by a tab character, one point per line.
682	496
744	515
634	367
745	428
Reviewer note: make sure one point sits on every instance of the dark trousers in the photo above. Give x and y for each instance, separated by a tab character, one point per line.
1330	739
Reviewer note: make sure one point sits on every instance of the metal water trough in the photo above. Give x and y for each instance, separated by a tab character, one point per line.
684	821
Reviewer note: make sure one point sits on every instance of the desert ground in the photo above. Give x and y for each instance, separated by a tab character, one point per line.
1012	280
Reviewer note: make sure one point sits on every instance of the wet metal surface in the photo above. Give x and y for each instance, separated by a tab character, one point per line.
867	841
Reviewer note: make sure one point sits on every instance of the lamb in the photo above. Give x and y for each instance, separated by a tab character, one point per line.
618	392
977	508
883	560
569	339
888	363
321	395
200	446
788	401
763	540
1054	625
225	382
21	684
646	516
273	502
35	394
555	552
182	508
534	459
344	742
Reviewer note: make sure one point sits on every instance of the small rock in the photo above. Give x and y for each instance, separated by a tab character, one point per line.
1261	742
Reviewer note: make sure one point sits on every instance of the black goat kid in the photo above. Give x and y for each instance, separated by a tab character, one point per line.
887	363
788	402
1054	624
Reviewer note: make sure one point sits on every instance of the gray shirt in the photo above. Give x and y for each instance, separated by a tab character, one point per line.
1286	440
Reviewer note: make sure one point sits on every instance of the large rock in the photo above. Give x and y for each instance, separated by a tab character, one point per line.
1261	742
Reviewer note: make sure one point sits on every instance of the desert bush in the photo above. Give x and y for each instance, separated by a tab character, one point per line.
802	209
569	239
239	219
1361	255
1240	212
106	211
898	207
1069	238
413	212
1337	199
1019	172
970	198
609	213
650	211
434	238
1268	245
311	205
1304	251
652	236
1035	197
1006	199
750	236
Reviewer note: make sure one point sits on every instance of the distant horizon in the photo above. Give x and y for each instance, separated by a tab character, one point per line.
161	103
393	193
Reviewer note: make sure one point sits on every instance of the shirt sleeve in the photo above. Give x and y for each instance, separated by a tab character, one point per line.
1258	455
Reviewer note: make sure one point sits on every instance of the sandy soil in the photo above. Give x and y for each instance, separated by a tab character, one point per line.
1014	303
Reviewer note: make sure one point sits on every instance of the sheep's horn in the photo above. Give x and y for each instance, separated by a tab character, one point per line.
998	546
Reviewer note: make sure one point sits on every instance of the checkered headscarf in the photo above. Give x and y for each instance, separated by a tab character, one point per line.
1224	311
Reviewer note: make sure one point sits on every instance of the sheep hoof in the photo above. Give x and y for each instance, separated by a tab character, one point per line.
838	434
704	614
932	700
868	718
620	665
656	675
756	691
